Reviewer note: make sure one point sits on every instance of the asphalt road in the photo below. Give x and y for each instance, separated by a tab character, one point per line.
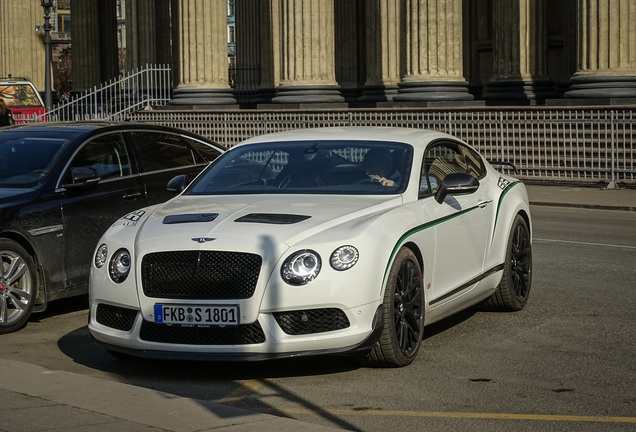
566	362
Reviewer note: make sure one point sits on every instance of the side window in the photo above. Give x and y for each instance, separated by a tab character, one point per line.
474	165
446	158
205	153
106	154
161	151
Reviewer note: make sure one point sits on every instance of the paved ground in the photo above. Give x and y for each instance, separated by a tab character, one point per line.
36	399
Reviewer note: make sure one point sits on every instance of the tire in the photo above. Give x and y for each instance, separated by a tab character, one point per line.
403	315
514	289
17	286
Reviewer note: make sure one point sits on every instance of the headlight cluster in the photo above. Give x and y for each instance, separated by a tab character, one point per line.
344	258
302	267
119	264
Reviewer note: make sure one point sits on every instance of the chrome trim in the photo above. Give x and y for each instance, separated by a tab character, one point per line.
46	230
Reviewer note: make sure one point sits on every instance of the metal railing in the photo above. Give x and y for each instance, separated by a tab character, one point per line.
588	145
115	100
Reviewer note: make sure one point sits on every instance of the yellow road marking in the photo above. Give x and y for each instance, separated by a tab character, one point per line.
542	417
243	390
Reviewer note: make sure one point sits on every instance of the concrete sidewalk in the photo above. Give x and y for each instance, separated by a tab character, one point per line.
583	197
36	399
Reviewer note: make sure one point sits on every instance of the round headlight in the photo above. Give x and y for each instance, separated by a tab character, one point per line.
301	267
101	255
344	258
119	266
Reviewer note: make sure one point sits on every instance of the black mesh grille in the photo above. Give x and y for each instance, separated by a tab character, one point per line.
210	275
311	321
183	335
116	317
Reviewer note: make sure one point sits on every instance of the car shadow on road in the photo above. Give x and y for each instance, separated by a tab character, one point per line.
61	307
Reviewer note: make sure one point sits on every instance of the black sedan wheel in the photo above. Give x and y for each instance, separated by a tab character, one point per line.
17	286
403	315
514	289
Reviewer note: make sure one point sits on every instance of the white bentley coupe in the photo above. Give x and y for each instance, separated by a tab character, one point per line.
316	241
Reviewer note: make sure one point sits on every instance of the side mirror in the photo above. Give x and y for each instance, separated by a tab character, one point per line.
178	184
82	178
456	184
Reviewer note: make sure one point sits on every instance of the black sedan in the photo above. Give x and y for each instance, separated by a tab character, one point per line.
62	185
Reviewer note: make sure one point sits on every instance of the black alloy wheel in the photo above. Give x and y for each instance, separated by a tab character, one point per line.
514	288
403	315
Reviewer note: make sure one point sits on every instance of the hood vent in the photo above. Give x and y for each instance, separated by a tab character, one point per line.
187	218
272	218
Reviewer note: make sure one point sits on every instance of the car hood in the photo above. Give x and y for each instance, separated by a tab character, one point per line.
254	223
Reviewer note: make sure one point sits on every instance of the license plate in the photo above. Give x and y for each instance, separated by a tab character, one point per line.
197	315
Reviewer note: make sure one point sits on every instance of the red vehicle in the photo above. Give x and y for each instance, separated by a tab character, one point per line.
22	99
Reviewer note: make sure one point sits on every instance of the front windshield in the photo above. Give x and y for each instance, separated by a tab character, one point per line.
26	159
309	167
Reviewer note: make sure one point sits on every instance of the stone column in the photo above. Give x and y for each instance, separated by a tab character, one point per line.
94	46
108	50
307	53
248	49
21	47
383	42
203	62
85	45
519	53
148	33
269	50
606	57
349	26
434	53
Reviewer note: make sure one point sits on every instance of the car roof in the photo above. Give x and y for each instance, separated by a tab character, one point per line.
91	126
413	136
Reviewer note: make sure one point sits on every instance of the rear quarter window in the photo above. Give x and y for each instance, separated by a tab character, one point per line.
162	151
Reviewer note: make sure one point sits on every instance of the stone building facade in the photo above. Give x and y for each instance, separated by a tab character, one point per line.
354	53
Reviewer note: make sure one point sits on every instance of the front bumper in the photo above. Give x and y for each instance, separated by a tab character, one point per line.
124	331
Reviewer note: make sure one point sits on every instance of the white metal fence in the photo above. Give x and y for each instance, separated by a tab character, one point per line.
114	100
589	145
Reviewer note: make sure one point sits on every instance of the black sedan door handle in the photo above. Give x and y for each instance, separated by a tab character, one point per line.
132	196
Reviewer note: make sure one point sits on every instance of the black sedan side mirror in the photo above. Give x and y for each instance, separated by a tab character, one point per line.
456	184
178	184
82	178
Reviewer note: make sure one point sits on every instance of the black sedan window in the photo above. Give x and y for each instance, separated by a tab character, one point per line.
105	154
161	151
26	160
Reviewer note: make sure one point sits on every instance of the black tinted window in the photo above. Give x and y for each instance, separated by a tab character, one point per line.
160	151
205	153
105	154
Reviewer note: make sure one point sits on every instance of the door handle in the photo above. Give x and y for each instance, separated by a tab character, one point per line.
484	203
132	196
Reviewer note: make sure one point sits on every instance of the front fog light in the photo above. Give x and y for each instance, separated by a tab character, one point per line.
119	266
101	255
301	267
344	257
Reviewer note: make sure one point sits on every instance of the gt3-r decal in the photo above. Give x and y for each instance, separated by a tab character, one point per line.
503	183
509	185
131	219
